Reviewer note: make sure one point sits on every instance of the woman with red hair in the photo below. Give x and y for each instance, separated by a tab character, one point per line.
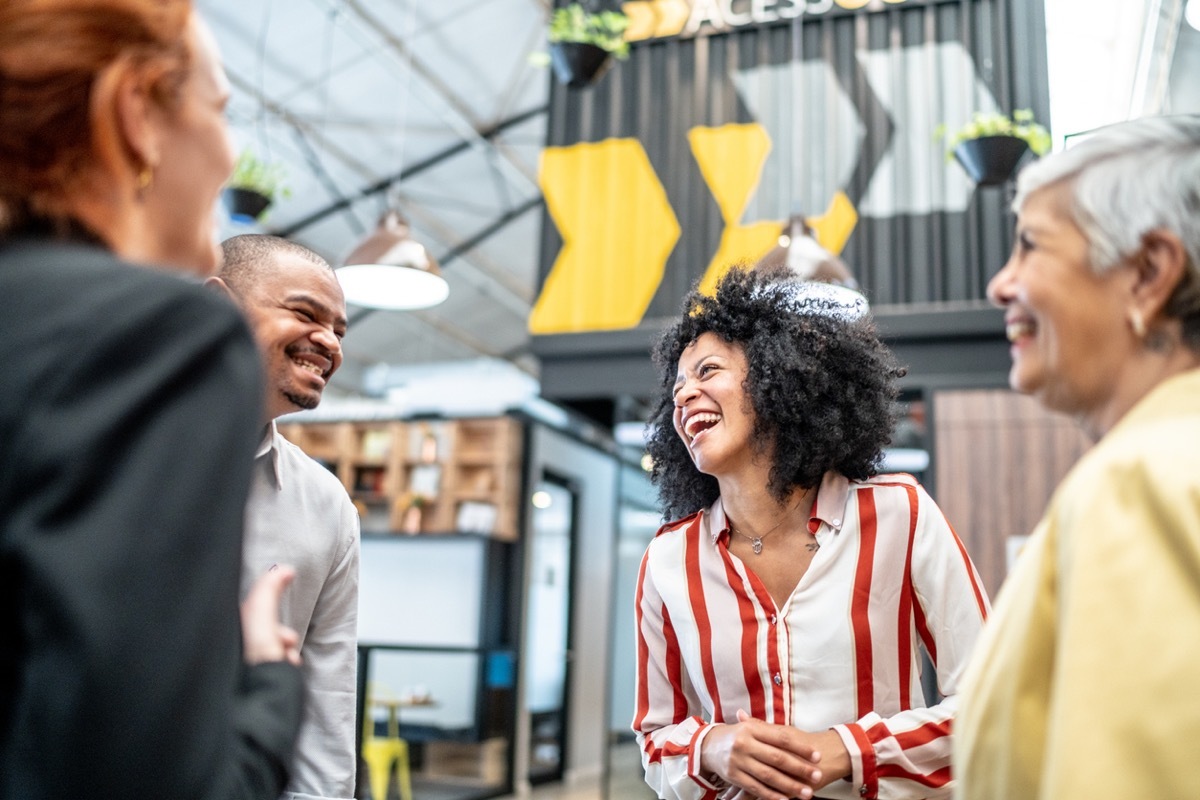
128	423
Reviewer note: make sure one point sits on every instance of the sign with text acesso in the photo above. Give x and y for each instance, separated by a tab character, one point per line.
652	19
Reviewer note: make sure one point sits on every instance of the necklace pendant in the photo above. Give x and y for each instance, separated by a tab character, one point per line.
757	545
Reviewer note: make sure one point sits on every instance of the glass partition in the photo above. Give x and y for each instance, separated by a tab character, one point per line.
637	522
547	642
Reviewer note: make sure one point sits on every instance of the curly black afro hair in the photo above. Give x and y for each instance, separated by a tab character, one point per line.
822	389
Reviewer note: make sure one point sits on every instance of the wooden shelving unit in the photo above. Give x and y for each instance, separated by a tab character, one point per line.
423	476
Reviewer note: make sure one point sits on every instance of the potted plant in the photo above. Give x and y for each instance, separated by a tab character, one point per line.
253	186
583	43
990	145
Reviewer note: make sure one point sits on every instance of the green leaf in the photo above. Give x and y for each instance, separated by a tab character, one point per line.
605	29
1021	125
251	172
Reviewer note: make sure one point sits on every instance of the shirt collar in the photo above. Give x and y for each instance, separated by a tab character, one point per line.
268	453
1172	397
828	507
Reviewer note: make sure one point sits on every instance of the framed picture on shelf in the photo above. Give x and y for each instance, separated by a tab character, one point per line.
476	517
368	479
376	443
426	480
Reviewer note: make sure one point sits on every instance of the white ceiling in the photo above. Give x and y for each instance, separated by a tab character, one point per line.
349	94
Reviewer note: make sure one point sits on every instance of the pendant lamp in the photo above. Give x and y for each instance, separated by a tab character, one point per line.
391	271
799	252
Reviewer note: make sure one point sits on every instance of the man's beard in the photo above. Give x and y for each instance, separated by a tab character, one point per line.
304	401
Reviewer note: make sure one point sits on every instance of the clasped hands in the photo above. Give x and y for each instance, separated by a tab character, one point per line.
773	762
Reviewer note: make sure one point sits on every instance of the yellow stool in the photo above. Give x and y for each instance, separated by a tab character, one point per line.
382	753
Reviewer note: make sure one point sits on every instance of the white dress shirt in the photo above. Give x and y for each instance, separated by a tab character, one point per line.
842	652
299	515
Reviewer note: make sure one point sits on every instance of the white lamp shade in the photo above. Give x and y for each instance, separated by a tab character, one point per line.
391	271
391	287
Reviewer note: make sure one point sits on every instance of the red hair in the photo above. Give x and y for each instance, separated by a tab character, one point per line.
52	53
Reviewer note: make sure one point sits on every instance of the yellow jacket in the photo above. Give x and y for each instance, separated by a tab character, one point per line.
1086	680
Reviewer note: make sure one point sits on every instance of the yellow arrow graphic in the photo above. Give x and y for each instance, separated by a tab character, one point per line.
651	19
731	159
672	16
618	230
643	20
834	227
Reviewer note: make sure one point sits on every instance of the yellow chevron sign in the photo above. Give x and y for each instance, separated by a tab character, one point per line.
618	230
618	227
731	159
652	19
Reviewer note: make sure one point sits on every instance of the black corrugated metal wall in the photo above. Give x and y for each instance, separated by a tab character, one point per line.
850	100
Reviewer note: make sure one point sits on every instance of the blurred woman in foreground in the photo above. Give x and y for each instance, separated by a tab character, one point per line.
128	423
1083	685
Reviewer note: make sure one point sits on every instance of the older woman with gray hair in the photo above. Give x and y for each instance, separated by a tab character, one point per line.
1084	683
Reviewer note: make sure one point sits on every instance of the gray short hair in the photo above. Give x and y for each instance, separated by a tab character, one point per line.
1126	180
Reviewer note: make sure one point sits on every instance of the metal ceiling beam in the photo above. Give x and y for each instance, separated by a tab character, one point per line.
468	125
385	183
310	130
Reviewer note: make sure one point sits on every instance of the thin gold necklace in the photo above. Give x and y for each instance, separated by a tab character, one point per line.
756	541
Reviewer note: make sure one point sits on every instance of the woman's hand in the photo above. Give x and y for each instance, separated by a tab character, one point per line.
264	638
767	760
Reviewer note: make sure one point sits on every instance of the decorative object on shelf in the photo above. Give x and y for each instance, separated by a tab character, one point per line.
252	188
413	506
991	144
429	447
369	480
583	43
476	517
390	270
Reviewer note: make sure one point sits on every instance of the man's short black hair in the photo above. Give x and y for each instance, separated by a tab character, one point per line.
251	255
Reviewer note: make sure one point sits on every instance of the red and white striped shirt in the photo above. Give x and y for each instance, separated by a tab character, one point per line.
841	653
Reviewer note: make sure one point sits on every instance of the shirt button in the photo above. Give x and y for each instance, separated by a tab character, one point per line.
863	790
837	521
773	618
779	682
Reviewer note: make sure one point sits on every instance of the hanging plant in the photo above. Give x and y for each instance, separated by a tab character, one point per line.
252	188
990	146
583	43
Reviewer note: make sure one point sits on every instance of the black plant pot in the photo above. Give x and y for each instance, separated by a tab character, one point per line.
577	64
245	205
990	160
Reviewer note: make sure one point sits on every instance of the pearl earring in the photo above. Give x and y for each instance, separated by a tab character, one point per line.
1138	323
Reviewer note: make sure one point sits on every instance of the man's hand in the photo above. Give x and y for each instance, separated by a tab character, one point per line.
264	638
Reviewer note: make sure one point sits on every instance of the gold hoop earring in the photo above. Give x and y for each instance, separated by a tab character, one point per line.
1138	323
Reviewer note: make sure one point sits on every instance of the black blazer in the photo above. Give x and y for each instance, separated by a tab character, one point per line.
129	413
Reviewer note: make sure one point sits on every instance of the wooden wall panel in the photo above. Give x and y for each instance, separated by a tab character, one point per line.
999	457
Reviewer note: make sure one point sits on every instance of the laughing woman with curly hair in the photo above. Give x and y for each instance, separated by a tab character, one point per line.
780	616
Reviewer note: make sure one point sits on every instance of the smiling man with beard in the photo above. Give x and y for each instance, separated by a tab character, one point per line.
298	513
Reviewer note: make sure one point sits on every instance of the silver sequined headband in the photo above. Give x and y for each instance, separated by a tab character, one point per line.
819	298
